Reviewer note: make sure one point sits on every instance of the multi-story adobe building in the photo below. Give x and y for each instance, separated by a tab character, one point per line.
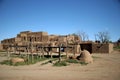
26	37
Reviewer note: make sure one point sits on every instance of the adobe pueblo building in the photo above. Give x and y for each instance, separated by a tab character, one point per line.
28	41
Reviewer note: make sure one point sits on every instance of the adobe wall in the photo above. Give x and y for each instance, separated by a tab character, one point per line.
116	44
77	49
111	47
1	47
102	48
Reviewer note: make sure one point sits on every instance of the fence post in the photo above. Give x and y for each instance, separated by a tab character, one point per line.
60	53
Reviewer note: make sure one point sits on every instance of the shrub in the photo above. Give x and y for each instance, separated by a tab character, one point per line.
83	63
28	62
19	63
7	62
72	61
59	64
117	47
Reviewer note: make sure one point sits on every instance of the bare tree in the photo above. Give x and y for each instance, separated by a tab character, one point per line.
103	36
83	35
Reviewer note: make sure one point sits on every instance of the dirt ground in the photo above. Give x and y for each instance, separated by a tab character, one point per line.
104	67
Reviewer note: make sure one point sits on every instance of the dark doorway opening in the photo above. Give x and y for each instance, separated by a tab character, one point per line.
86	46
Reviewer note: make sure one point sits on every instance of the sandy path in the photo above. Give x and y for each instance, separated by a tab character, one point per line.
106	67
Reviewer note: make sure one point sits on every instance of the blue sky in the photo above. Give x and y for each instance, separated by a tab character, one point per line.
60	17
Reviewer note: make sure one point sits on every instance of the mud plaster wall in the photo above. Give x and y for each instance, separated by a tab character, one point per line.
1	47
102	48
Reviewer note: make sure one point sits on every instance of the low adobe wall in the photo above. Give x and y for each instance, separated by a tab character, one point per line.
1	47
102	48
116	44
111	47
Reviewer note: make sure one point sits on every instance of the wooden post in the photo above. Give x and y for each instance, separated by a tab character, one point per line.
19	50
32	58
42	52
66	53
37	54
14	50
59	53
51	54
80	49
27	54
32	53
66	48
74	51
8	54
48	51
27	57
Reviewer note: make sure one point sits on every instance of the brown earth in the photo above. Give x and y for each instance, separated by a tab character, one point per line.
104	67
